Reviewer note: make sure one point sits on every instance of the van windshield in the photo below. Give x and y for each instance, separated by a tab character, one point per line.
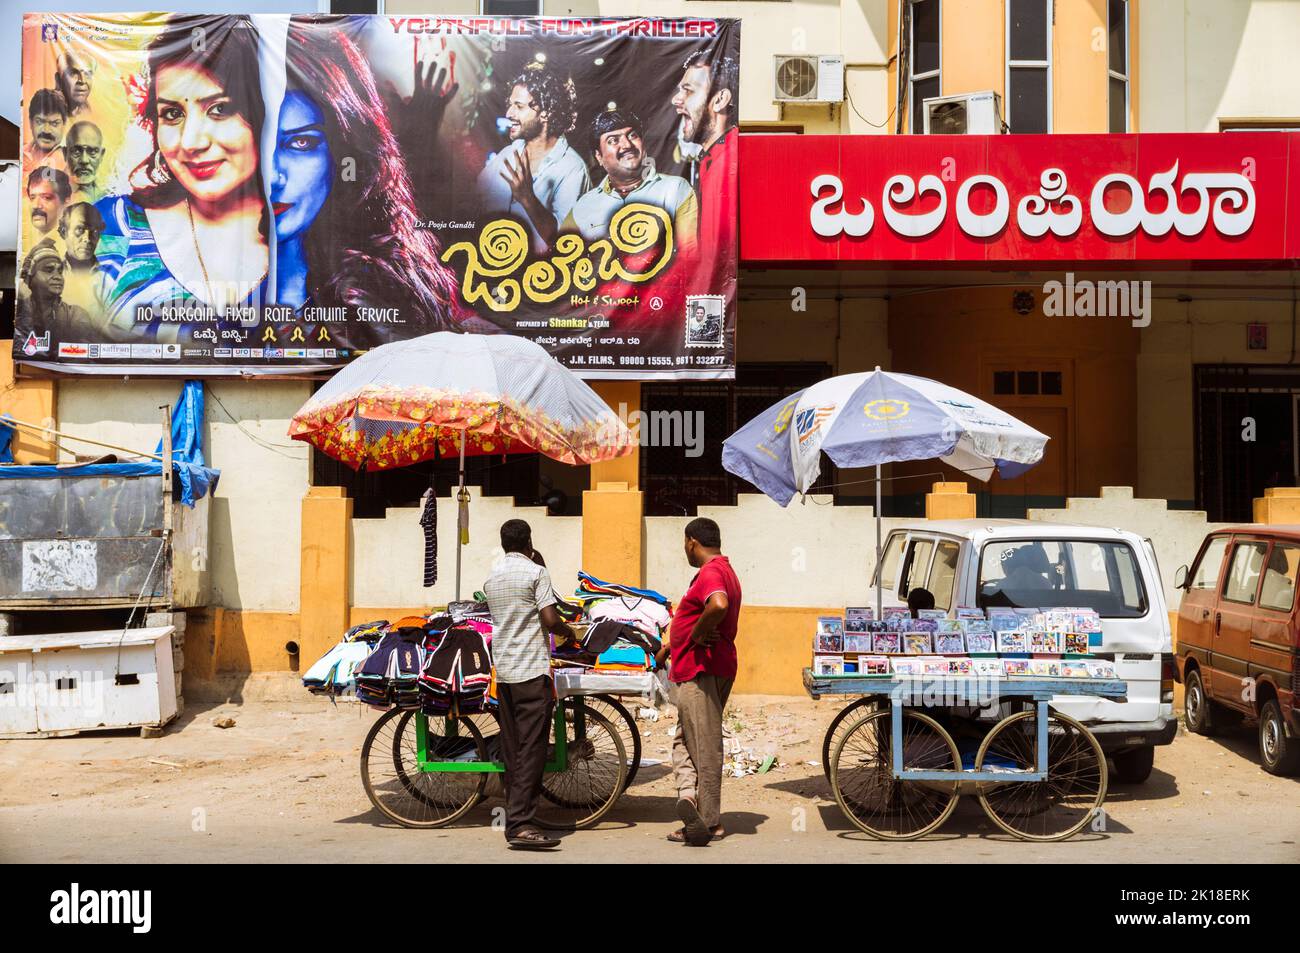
1091	574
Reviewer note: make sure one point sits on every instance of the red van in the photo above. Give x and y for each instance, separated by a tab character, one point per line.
1238	645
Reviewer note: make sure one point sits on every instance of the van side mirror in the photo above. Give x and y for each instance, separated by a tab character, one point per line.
1180	578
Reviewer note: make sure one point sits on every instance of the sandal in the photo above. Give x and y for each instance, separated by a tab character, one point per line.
693	827
679	836
532	840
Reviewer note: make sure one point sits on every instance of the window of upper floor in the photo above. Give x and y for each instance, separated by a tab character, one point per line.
1029	66
923	63
1117	64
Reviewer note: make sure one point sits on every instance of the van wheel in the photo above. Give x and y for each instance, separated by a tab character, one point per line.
1281	755
1134	766
1196	705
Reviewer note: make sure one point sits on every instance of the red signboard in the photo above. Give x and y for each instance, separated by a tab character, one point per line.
1171	199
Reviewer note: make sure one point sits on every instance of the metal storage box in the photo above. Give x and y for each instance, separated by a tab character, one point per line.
100	541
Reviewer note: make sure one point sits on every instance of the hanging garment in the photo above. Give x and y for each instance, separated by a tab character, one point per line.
429	520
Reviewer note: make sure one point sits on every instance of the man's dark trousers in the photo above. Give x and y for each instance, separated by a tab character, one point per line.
524	710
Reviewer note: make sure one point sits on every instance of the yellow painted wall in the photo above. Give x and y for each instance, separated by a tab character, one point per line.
31	400
977	326
973	47
624	397
1079	73
973	53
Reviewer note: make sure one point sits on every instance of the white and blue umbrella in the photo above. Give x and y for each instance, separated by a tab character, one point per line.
871	419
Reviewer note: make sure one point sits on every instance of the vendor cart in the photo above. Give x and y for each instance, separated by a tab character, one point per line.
897	767
429	770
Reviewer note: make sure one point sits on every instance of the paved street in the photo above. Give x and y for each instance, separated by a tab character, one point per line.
282	785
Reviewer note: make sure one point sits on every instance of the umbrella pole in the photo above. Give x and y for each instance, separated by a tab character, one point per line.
460	530
880	570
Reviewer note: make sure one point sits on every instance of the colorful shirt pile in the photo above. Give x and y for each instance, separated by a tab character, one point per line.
643	610
428	662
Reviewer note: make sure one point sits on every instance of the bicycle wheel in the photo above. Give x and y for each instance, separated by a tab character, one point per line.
840	724
621	719
1060	805
872	798
593	778
391	775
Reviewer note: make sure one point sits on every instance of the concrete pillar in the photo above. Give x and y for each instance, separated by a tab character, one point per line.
1279	504
949	501
613	533
624	398
326	571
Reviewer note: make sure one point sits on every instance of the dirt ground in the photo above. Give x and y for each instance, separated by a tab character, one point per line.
283	785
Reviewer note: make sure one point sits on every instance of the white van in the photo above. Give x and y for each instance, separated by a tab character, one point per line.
1023	563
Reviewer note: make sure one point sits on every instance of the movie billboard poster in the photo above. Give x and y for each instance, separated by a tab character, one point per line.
276	194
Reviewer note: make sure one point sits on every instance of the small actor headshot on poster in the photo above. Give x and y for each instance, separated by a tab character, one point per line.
618	147
43	274
84	149
48	191
47	121
538	176
75	78
80	226
705	320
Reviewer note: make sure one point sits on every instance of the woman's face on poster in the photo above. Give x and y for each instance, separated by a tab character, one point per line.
209	147
302	166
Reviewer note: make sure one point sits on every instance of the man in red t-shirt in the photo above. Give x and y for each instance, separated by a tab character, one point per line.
702	645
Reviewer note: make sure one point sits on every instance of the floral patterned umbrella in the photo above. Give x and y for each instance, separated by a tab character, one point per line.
448	394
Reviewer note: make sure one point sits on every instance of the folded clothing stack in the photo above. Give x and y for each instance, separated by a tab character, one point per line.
389	675
610	646
591	588
629	624
458	669
333	672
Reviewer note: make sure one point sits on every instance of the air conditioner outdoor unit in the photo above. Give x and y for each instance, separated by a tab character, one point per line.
969	114
808	78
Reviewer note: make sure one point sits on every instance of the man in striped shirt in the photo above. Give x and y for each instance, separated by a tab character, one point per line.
522	601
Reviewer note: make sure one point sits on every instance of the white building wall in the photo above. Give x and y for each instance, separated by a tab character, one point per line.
1176	535
388	554
1206	60
811	554
256	511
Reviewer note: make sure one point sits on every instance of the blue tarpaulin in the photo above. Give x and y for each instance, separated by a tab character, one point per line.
6	441
196	479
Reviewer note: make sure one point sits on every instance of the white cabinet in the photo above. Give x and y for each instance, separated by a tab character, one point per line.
83	681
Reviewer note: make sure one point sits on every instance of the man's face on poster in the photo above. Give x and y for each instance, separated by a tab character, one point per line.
76	77
45	204
692	103
47	130
526	120
621	153
46	279
81	234
85	148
